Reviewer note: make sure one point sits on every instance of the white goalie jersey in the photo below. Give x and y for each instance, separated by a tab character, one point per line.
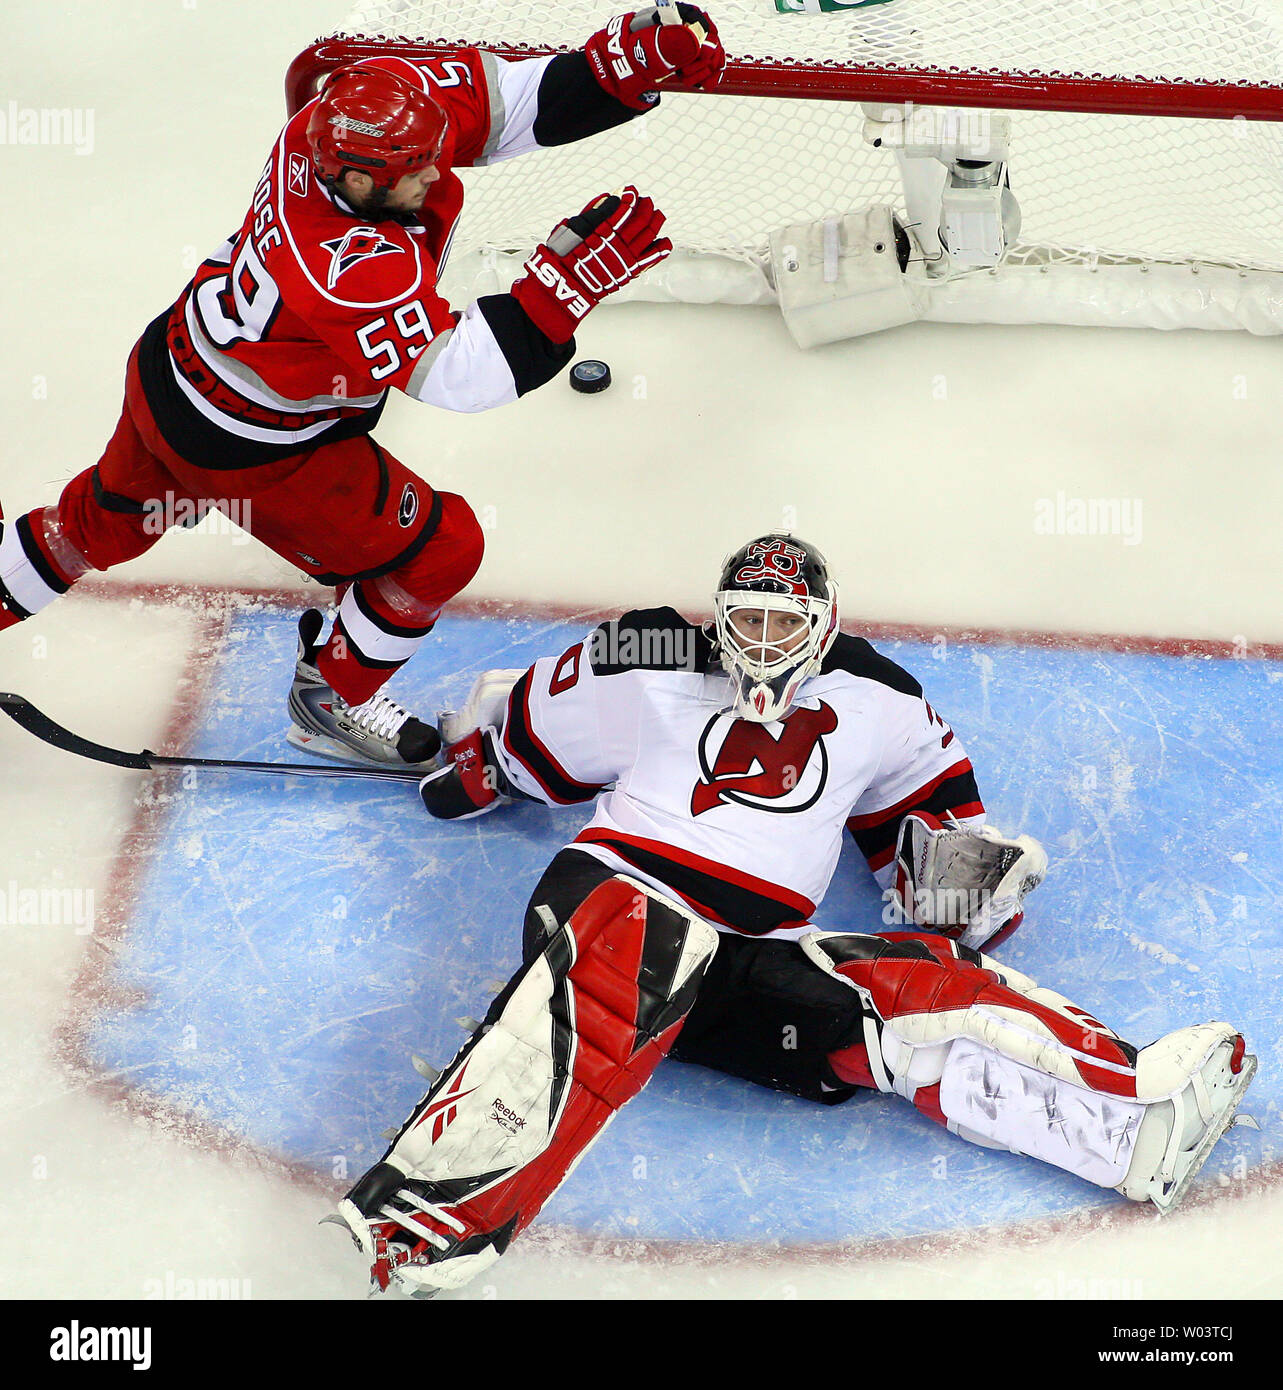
743	821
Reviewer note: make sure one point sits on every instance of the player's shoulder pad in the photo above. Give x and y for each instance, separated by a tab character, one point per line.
859	658
649	639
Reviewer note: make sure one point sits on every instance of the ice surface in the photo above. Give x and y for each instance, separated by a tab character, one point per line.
917	460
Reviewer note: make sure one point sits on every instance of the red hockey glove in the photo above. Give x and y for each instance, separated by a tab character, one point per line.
587	257
635	54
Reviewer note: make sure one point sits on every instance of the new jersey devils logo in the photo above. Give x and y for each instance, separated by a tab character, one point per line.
776	560
752	767
355	246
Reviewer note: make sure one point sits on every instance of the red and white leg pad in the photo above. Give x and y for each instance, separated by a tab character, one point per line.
576	1034
1004	1063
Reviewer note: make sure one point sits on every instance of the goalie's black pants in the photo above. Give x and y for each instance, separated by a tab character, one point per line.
764	1012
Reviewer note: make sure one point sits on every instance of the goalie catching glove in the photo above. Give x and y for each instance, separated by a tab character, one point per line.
589	256
968	884
636	53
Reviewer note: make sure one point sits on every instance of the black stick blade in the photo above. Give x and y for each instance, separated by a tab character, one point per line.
23	712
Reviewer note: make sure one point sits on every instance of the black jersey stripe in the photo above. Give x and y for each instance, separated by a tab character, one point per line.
521	741
958	795
716	897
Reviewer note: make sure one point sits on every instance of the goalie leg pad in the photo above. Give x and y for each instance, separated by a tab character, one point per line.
1193	1080
1007	1064
576	1034
987	1053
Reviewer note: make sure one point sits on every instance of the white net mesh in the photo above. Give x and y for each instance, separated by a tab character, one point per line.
728	170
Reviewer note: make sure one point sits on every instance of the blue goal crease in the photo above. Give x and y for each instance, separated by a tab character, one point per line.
296	940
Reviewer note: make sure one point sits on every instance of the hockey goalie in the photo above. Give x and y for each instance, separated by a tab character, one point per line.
725	764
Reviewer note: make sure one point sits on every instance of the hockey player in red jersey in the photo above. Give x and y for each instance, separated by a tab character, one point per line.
725	766
262	383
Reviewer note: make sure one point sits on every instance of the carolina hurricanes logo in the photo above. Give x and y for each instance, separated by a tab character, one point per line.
409	507
776	560
754	768
357	245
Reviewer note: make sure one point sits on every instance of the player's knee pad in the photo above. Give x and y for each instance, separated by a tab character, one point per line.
969	884
450	559
107	528
467	539
575	1035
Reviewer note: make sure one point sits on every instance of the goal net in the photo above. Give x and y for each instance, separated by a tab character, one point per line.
1146	145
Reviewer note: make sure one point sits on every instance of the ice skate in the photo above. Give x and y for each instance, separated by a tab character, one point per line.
379	731
1177	1134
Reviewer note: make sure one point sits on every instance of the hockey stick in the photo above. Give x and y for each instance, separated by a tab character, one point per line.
24	713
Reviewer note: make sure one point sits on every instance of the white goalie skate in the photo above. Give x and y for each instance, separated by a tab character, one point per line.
1201	1074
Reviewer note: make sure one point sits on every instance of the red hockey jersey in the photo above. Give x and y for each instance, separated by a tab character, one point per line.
294	330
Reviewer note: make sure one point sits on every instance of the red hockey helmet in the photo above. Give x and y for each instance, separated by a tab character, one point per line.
375	121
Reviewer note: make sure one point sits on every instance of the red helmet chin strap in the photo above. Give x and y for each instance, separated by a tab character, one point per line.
375	121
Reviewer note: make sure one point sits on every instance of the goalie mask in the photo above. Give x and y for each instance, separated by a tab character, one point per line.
776	615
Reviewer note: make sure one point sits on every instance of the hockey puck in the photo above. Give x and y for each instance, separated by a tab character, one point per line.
590	376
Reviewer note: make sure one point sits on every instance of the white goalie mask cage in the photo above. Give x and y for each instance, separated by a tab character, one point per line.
772	576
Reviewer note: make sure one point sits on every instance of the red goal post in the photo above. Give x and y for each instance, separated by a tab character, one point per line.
774	77
1147	143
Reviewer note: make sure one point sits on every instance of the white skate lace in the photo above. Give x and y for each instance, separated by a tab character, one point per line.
428	1209
379	715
